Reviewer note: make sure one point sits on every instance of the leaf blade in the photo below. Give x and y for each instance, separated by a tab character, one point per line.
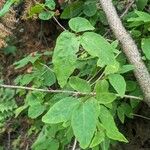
64	57
118	82
84	118
79	24
60	111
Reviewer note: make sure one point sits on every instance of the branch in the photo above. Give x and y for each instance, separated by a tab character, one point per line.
59	91
74	144
136	115
127	9
129	48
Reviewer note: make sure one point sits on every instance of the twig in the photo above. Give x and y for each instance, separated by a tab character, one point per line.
60	91
8	147
53	16
136	115
127	9
59	23
129	48
74	144
98	78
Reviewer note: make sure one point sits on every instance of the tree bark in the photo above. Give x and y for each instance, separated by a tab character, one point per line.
129	48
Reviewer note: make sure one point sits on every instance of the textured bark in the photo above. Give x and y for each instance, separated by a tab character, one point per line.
129	48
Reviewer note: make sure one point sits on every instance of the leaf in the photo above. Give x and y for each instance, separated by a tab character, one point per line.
113	68
101	86
44	141
50	4
61	111
110	126
46	15
34	98
98	138
35	110
64	57
141	4
36	9
20	109
72	10
118	82
131	85
80	24
97	46
102	94
83	122
6	7
142	17
121	115
80	85
48	77
145	44
124	110
89	8
10	50
105	98
125	68
28	59
26	79
105	145
127	109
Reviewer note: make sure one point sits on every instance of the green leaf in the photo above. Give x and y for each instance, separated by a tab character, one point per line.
105	145
125	68
146	47
61	111
80	85
121	115
118	82
33	98
141	4
72	10
98	138
50	4
80	24
38	8
113	68
35	110
48	77
97	46
10	50
110	126
45	142
105	98
142	17
101	86
19	110
23	62
84	120
89	8
46	15
131	86
102	94
127	109
26	79
64	57
6	7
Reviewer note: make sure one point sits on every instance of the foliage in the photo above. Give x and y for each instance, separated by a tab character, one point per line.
89	74
7	105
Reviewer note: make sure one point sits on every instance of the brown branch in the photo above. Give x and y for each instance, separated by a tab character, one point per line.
127	9
129	48
60	91
144	117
